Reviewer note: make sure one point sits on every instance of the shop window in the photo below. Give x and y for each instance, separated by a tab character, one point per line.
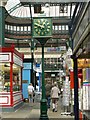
29	29
25	28
21	29
6	26
56	28
66	27
5	77
11	28
18	28
63	27
59	27
53	27
16	78
14	28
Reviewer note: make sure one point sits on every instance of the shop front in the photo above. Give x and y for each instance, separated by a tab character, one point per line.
11	64
84	87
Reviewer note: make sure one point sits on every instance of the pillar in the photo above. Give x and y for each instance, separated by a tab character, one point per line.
2	22
43	102
76	101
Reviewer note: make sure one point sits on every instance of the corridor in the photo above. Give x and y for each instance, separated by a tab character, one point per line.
41	41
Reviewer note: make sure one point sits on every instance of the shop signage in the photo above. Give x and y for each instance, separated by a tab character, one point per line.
5	57
27	65
17	60
86	83
24	81
52	49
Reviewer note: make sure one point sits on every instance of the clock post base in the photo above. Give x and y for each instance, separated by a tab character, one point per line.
43	110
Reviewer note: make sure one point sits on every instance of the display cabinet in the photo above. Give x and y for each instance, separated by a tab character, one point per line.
11	64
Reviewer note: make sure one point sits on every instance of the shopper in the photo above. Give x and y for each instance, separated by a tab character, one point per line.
48	87
30	92
55	96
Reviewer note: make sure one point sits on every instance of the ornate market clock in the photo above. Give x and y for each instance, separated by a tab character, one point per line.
42	27
42	31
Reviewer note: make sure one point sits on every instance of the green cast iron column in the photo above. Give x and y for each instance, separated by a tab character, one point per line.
32	57
2	26
43	83
76	101
43	105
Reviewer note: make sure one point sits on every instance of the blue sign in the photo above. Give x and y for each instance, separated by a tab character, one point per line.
27	65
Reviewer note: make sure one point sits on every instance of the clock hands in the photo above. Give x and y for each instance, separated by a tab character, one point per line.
39	25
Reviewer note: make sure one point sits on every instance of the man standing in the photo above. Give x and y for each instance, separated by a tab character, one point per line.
30	92
55	96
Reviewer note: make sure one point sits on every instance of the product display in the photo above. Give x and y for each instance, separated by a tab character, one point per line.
86	89
66	93
1	80
86	96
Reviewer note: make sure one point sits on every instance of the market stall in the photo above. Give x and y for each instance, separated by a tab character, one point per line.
11	64
84	94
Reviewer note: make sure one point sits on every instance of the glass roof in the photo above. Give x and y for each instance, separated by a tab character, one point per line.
11	3
15	8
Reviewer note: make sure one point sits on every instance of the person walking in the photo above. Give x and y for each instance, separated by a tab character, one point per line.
30	92
48	87
55	96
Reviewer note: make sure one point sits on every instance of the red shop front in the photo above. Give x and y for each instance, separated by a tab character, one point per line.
11	64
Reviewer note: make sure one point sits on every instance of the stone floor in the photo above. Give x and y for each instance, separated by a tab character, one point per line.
31	111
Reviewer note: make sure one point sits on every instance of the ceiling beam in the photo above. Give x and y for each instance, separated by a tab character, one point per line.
45	1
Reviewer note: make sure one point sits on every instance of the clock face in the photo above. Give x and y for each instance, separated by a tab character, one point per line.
42	27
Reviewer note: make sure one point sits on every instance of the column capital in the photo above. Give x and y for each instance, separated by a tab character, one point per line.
3	2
